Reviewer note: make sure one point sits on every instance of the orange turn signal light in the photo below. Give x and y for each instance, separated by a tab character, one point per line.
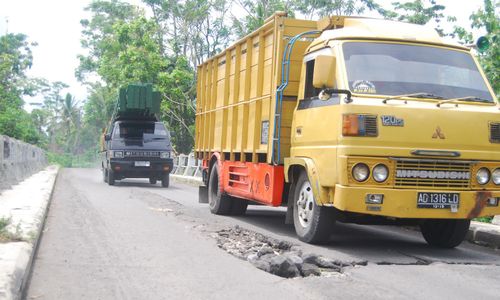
350	125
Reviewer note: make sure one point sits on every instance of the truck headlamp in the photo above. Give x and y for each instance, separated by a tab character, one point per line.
496	176
118	154
380	173
483	176
165	154
360	172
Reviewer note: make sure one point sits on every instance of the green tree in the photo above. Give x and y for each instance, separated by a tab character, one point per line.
15	59
105	14
195	29
132	52
256	12
321	8
486	18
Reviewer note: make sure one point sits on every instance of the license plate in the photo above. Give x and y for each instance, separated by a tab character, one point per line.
438	200
142	164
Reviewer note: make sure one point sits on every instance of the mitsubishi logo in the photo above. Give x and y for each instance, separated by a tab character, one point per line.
438	134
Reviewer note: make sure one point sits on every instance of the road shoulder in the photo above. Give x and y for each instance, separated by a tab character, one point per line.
24	208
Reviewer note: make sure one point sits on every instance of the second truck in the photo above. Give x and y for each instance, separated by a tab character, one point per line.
137	144
353	120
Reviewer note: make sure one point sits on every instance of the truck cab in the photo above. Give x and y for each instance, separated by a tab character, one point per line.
393	124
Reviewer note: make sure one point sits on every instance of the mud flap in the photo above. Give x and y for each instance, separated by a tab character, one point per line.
289	210
202	194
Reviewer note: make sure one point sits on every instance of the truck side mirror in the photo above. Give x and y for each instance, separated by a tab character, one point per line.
324	71
107	137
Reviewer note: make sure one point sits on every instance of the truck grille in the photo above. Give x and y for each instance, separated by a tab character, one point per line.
495	132
411	173
142	154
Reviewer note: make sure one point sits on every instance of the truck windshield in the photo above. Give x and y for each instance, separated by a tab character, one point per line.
138	130
396	69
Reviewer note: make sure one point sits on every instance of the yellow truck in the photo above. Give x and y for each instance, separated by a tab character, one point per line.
353	120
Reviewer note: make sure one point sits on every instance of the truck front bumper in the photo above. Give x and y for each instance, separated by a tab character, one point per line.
402	203
129	169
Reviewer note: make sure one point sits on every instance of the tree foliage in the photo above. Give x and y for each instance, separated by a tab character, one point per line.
487	19
15	59
132	51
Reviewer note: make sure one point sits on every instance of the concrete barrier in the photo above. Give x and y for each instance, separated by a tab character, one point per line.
187	169
18	160
187	165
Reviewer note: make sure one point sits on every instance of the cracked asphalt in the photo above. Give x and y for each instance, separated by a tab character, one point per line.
138	241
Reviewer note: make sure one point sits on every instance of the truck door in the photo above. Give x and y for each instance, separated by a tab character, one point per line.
315	126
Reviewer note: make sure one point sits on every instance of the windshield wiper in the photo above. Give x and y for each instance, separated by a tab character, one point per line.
414	95
468	98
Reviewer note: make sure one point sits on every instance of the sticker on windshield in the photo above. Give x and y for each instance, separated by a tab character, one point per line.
363	87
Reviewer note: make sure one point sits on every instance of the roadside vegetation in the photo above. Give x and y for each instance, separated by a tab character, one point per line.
7	235
162	42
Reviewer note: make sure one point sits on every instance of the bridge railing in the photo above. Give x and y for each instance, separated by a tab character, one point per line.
18	160
187	165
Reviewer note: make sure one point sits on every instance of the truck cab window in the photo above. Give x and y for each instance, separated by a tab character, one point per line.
309	90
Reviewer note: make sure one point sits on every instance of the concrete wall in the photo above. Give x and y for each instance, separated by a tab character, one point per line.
18	160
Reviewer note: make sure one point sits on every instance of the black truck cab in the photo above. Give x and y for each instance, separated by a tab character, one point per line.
137	149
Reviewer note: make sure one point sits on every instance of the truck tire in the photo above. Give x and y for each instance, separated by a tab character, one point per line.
111	177
313	223
152	180
238	206
444	233
105	175
165	180
218	202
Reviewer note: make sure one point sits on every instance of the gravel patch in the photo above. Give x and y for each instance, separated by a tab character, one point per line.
275	256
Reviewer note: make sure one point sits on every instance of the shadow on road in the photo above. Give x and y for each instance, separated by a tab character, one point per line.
143	183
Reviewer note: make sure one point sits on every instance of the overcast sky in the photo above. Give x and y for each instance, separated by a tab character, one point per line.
55	26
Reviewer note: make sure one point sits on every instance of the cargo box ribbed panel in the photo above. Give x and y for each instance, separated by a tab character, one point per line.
138	99
237	90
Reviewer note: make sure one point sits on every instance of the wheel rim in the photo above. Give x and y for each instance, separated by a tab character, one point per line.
305	205
214	190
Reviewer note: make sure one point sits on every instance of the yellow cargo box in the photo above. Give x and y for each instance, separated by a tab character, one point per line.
237	93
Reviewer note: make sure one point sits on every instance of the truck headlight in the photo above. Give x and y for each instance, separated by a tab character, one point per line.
483	176
165	154
360	172
496	176
118	154
380	173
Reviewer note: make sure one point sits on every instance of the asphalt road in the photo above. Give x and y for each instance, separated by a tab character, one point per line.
138	241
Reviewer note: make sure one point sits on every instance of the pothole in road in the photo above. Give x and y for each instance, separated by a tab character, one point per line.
275	256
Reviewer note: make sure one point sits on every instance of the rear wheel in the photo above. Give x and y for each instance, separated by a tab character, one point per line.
444	233
111	177
152	180
313	223
165	180
218	202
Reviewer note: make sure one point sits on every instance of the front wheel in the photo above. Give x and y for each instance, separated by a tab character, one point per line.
165	180
152	180
444	233
104	174
111	177
313	223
